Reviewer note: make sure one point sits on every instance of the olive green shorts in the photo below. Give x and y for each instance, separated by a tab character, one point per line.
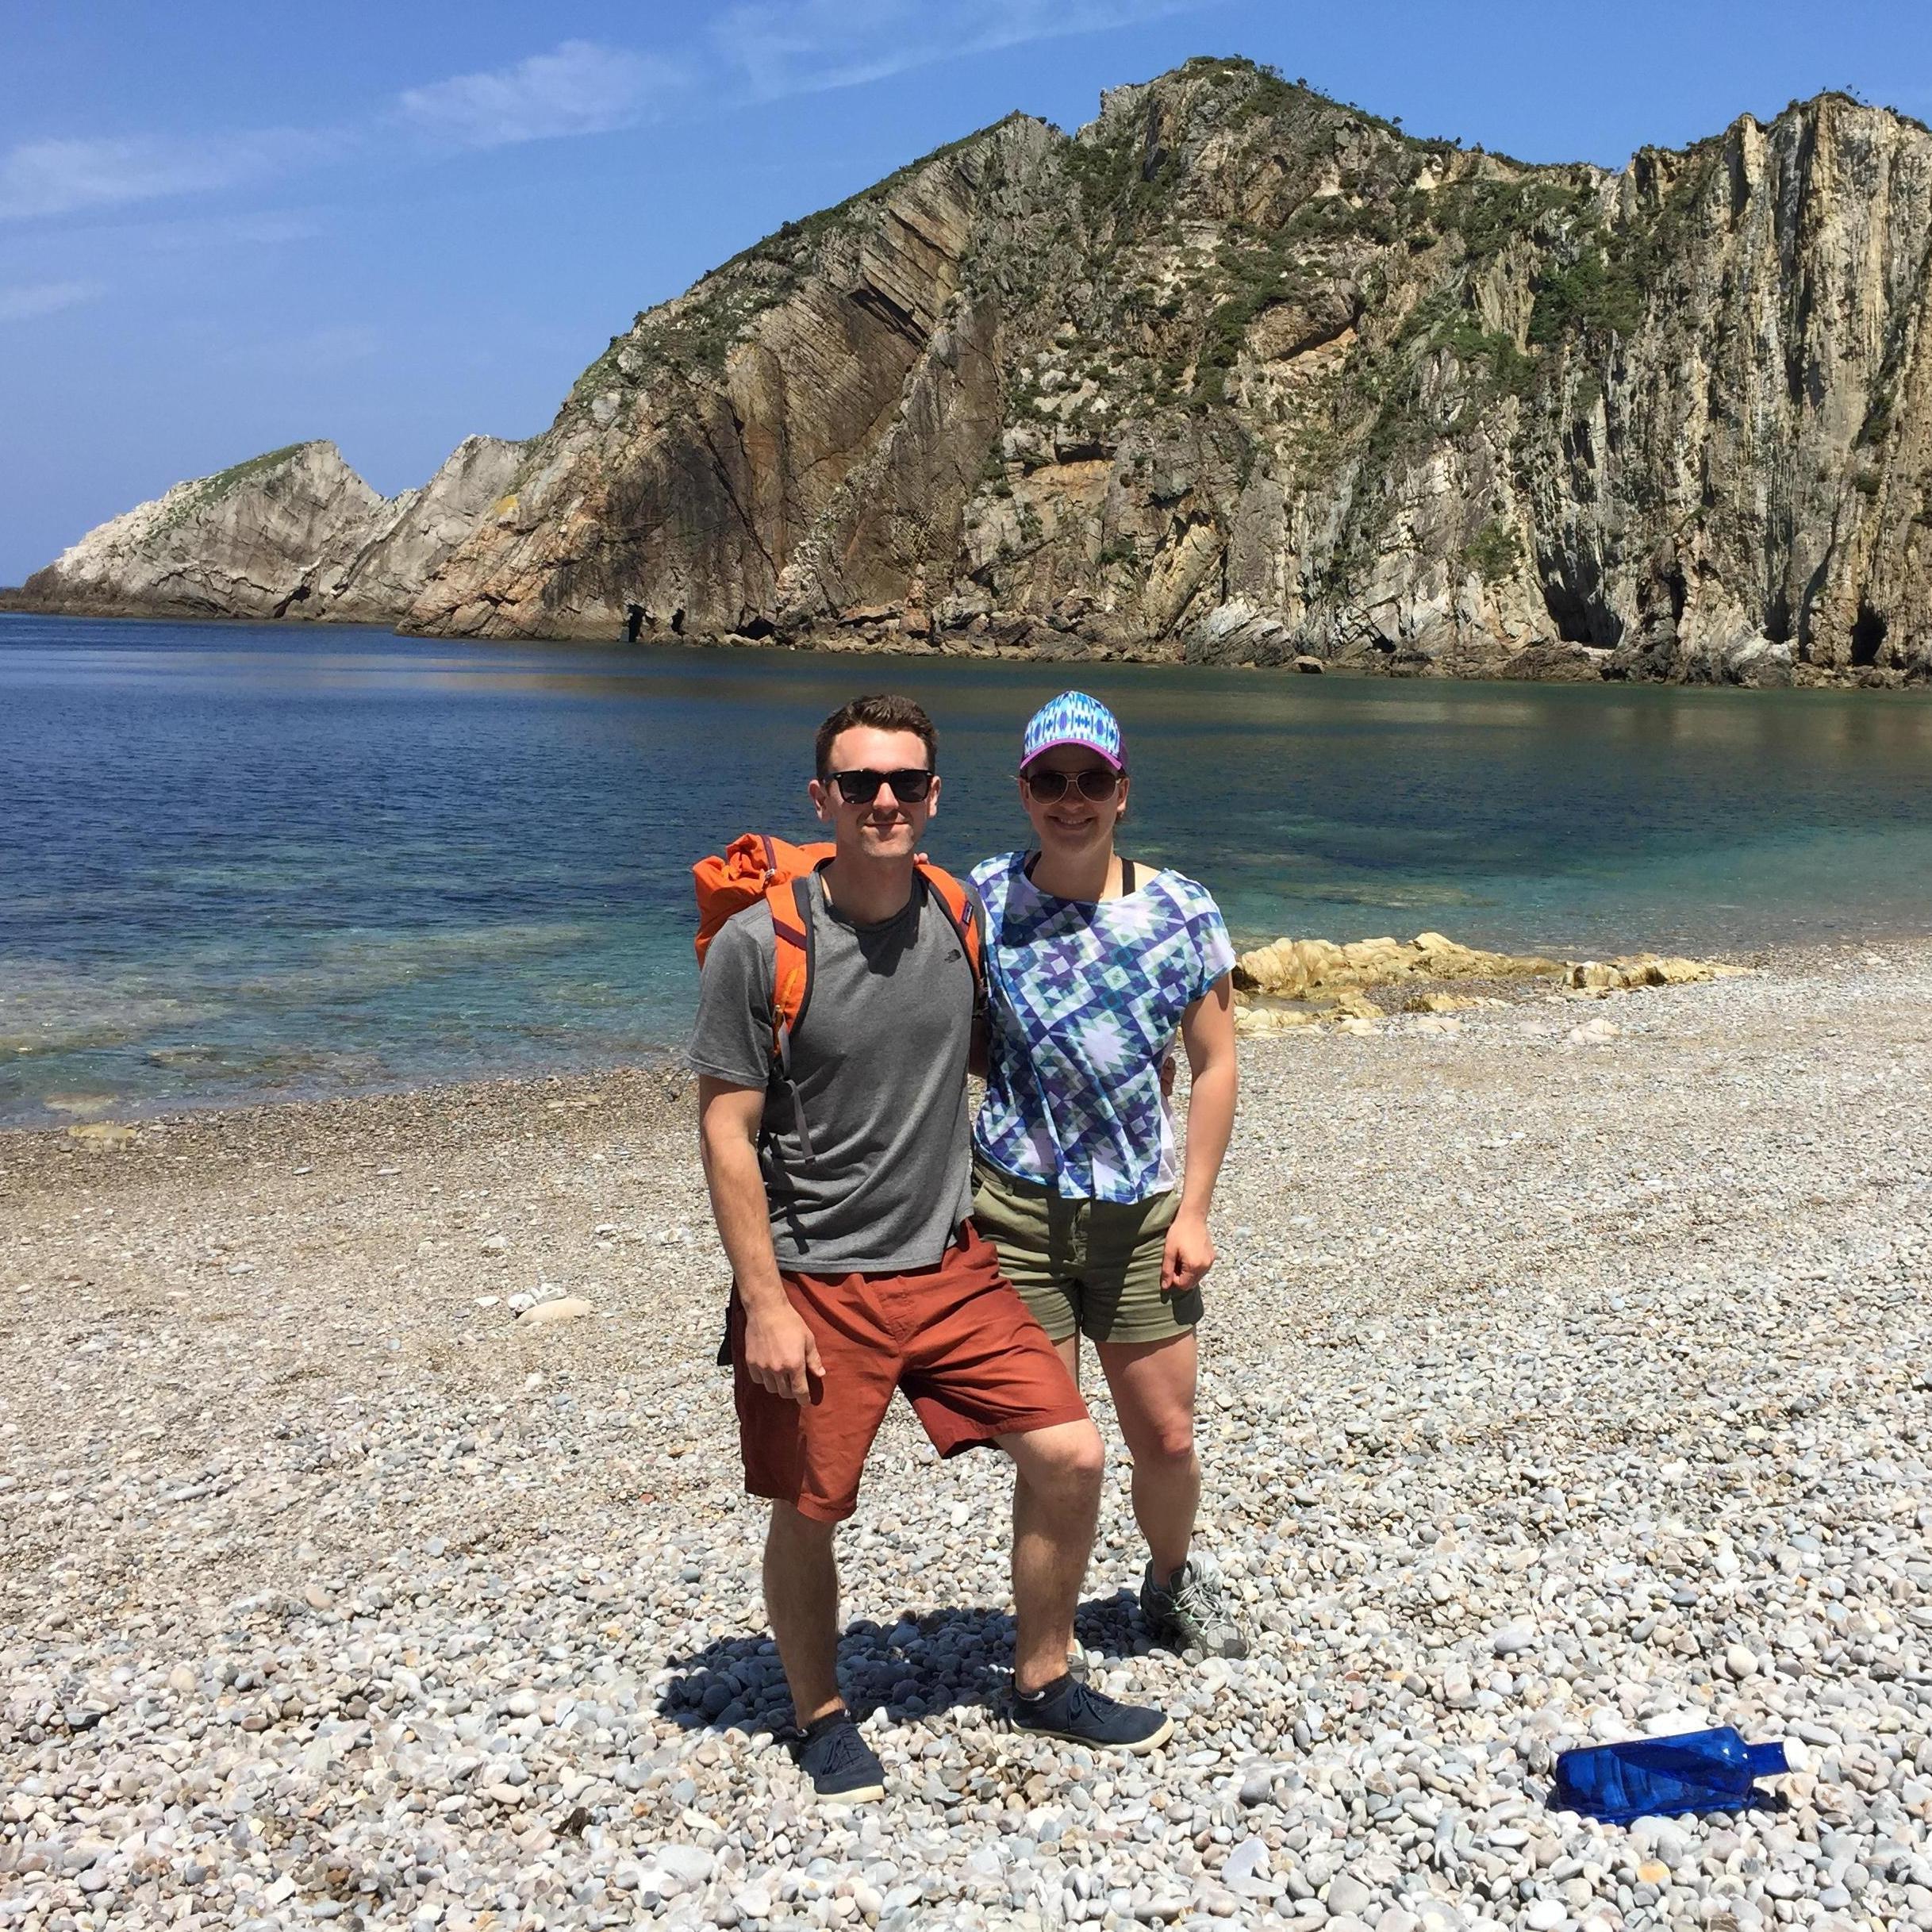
1086	1267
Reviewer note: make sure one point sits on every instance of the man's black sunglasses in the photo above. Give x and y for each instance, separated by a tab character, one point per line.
860	787
1096	782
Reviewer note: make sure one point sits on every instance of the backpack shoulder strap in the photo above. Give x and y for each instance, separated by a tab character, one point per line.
957	907
789	902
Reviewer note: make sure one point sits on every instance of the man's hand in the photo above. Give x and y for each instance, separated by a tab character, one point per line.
781	1353
1188	1255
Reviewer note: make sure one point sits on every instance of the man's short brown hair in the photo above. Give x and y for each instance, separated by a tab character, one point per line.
885	712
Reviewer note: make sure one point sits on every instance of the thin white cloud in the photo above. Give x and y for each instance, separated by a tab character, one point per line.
70	176
759	50
791	47
39	298
578	88
991	24
216	232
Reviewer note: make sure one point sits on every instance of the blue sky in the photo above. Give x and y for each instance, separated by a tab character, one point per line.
225	227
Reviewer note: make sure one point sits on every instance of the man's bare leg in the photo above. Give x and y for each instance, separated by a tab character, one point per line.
1056	1505
801	1600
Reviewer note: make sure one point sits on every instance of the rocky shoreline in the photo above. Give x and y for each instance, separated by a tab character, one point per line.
1025	638
1564	1379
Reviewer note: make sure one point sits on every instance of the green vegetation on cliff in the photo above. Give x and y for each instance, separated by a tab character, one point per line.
203	495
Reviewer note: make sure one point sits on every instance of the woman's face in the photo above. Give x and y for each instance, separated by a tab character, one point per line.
1074	824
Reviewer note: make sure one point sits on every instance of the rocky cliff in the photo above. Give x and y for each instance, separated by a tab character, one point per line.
1236	374
418	530
295	533
247	542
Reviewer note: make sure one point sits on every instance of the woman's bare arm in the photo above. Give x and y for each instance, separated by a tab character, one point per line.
1208	1036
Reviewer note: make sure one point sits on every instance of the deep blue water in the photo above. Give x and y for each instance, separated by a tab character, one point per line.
240	860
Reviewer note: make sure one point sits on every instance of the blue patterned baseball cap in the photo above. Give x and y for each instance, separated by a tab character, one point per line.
1073	718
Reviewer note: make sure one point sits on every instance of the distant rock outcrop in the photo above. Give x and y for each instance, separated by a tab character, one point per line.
1294	969
1237	374
296	533
418	531
248	543
1291	983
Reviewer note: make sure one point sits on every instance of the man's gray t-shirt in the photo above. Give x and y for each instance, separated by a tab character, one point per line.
879	1058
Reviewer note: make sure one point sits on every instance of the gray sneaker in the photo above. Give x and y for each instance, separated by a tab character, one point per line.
1191	1610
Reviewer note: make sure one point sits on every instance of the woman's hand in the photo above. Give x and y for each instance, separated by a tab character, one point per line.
1189	1253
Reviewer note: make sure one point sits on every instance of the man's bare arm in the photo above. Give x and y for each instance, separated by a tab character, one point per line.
779	1350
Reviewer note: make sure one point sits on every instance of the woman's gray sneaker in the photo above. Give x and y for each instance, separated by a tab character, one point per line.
1192	1611
1070	1709
843	1768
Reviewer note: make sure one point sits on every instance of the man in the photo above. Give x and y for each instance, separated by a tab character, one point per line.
841	1186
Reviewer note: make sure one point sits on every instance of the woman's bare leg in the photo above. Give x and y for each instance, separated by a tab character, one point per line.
1153	1386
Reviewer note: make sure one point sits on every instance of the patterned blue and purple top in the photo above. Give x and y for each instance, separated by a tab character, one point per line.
1083	1002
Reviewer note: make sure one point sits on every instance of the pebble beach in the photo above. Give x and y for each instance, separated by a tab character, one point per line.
372	1548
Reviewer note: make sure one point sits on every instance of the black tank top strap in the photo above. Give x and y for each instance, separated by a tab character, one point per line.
1129	875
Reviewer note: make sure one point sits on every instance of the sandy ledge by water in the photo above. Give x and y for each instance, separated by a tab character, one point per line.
1554	1390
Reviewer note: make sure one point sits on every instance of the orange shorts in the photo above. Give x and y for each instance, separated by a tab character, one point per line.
956	1337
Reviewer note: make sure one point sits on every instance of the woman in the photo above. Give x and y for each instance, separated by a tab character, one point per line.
1092	964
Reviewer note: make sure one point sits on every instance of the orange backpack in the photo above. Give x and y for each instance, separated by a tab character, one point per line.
755	867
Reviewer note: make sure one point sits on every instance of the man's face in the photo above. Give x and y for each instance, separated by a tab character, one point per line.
878	825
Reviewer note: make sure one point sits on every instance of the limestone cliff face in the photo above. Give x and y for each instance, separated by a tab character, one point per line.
797	435
247	542
1237	374
418	531
296	533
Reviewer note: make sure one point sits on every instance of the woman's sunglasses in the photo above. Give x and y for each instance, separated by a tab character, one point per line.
1096	782
860	787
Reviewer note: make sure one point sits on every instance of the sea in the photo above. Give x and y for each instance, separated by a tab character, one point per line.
242	863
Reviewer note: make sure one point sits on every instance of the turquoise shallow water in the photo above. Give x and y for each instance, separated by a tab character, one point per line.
240	861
